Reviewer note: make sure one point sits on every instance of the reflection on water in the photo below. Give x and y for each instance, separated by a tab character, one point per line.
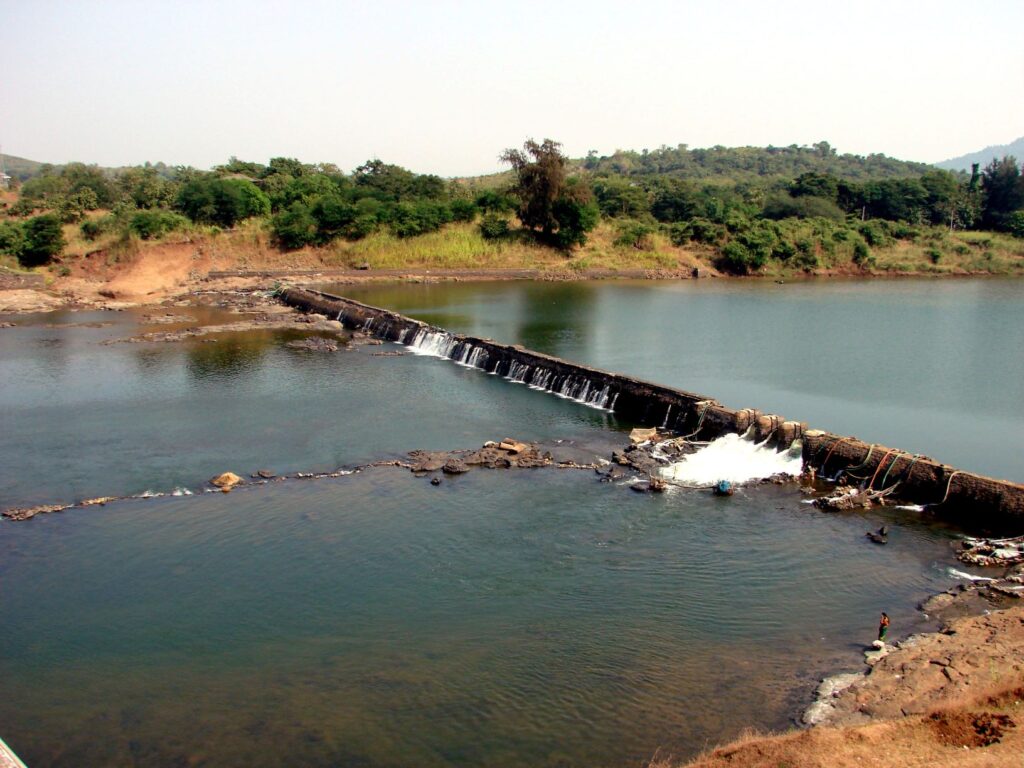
504	618
228	356
929	366
89	418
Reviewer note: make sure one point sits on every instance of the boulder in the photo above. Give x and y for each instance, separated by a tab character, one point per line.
226	480
642	435
454	467
513	446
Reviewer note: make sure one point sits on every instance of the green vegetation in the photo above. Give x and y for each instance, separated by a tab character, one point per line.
746	210
34	241
561	210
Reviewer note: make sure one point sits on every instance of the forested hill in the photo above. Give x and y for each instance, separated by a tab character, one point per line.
749	163
985	156
20	167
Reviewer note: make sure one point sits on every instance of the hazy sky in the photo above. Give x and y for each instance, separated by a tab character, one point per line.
443	87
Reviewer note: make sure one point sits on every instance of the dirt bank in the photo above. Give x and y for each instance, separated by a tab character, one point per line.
954	698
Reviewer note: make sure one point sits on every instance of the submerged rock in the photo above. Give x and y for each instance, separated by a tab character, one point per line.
27	513
314	344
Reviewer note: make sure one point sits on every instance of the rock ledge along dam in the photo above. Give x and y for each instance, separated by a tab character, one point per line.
976	502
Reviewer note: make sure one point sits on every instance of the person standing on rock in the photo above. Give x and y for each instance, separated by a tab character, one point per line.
883	626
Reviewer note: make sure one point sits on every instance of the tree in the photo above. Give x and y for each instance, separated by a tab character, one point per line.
560	209
44	239
224	202
1004	191
295	227
539	182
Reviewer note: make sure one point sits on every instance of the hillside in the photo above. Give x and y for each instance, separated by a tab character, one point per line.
20	167
984	156
749	163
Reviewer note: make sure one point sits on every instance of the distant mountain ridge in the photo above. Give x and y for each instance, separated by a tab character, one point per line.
985	156
20	167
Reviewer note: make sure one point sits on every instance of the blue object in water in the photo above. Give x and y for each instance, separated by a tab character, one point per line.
723	488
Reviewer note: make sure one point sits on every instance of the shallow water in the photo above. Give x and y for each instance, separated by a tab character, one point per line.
82	418
929	366
533	617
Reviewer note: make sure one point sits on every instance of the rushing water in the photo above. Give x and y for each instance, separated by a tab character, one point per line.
520	617
929	366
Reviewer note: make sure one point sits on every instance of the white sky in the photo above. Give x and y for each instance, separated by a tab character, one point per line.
443	87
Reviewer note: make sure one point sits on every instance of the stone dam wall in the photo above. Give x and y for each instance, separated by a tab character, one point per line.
978	503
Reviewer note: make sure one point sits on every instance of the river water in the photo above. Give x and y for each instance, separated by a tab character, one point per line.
929	366
519	617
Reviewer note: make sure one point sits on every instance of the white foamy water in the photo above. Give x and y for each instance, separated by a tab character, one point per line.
968	576
735	458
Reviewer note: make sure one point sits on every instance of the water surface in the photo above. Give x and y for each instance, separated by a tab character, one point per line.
515	618
928	366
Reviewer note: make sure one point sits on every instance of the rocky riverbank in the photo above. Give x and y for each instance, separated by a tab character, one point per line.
948	699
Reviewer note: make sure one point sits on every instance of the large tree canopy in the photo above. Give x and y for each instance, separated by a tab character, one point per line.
560	209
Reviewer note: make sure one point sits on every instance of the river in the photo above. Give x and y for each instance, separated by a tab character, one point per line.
505	617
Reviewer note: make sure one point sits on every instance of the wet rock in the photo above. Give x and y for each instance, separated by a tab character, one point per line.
167	319
435	481
936	603
824	705
643	435
314	344
99	501
652	485
609	473
266	474
226	480
493	458
427	461
27	513
513	446
454	467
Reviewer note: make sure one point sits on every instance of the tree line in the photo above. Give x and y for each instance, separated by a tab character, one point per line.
746	218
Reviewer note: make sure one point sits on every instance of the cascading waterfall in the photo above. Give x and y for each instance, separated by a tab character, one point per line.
736	458
421	340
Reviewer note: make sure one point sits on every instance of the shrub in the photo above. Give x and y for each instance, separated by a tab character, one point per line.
295	227
861	252
224	202
493	226
150	224
635	234
903	231
934	254
680	233
463	210
44	239
418	218
491	201
91	229
12	238
874	233
1015	223
705	231
333	216
737	259
363	226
